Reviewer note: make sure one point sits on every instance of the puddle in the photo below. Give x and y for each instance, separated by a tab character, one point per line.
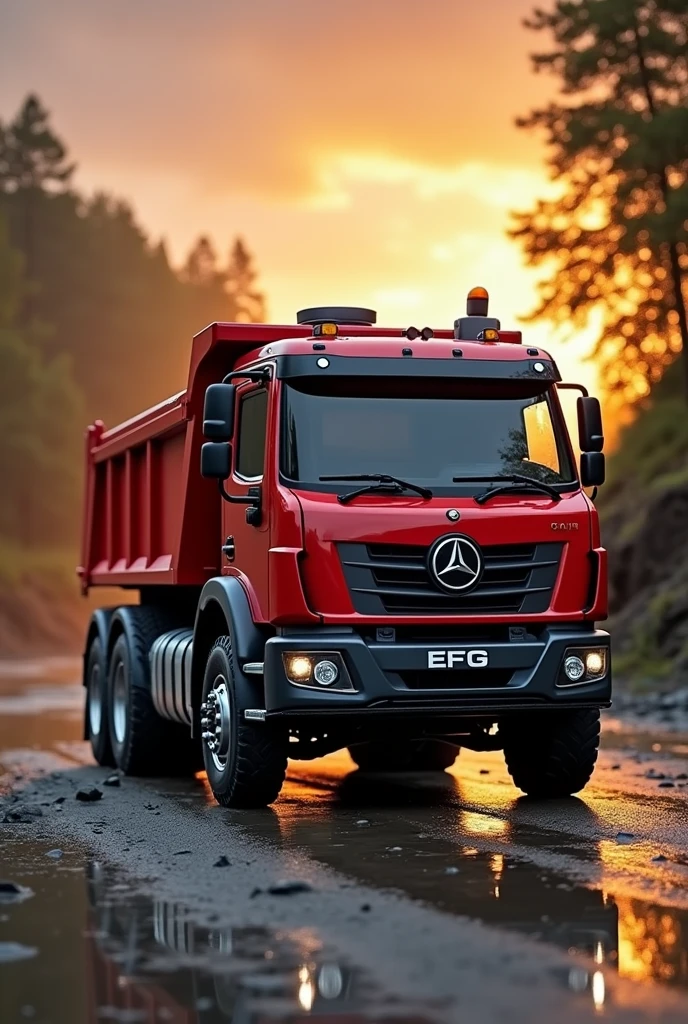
639	939
102	950
41	704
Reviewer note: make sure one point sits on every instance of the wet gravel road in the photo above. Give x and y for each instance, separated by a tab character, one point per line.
418	898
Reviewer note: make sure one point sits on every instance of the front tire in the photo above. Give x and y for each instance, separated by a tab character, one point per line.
97	728
246	762
404	756
552	755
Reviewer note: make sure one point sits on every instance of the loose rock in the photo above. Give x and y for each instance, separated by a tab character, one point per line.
88	796
222	862
23	813
289	888
113	780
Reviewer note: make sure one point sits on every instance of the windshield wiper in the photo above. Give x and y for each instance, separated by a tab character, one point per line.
380	481
513	482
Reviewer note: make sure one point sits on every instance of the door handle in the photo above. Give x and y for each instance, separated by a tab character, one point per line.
229	549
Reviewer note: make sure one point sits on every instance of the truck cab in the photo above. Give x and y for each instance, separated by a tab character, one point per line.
389	548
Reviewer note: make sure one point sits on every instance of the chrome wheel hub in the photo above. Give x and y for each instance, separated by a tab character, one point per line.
120	701
95	701
216	723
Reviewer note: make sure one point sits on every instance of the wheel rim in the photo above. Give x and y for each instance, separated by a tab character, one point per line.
95	701
216	723
120	700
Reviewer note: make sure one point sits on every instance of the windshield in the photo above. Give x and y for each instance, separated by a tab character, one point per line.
374	427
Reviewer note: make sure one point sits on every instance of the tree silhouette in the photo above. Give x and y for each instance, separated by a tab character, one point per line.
616	232
31	155
33	160
241	278
201	267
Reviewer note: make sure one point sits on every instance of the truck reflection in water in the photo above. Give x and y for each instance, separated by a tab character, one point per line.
148	963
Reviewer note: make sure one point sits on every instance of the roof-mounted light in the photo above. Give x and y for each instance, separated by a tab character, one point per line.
473	326
325	331
489	334
477	302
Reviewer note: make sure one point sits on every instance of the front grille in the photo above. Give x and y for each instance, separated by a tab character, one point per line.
393	579
447	679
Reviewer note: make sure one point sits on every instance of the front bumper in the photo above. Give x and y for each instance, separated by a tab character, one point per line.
394	678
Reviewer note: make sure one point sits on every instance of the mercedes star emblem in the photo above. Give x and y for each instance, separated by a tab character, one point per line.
455	563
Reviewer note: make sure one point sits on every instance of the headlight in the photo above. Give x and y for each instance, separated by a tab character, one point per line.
316	669
583	665
325	672
574	668
594	663
298	667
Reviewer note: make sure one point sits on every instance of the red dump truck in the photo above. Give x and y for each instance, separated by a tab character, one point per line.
343	535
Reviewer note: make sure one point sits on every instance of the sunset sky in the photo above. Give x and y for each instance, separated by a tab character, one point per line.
365	148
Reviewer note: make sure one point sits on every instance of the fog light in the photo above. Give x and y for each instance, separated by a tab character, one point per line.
595	663
574	668
326	673
298	667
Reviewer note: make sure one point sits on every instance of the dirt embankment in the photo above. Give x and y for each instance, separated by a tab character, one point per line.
43	612
41	615
648	577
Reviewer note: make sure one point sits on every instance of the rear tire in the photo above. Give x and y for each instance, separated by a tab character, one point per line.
404	756
97	727
248	762
142	742
554	754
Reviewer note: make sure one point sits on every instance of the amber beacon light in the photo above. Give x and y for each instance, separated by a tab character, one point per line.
477	302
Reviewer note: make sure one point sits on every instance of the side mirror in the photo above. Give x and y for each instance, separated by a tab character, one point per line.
218	412
590	433
216	459
592	469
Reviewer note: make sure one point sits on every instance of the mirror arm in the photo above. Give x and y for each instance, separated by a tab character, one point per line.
259	376
236	499
574	387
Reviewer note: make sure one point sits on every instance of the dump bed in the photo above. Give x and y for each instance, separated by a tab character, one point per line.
149	516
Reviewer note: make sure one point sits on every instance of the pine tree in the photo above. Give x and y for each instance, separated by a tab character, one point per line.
33	161
201	267
241	277
616	233
31	155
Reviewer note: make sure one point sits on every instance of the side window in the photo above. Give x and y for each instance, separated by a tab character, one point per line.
250	453
542	444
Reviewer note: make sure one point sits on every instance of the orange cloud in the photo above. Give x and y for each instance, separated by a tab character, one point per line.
259	97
